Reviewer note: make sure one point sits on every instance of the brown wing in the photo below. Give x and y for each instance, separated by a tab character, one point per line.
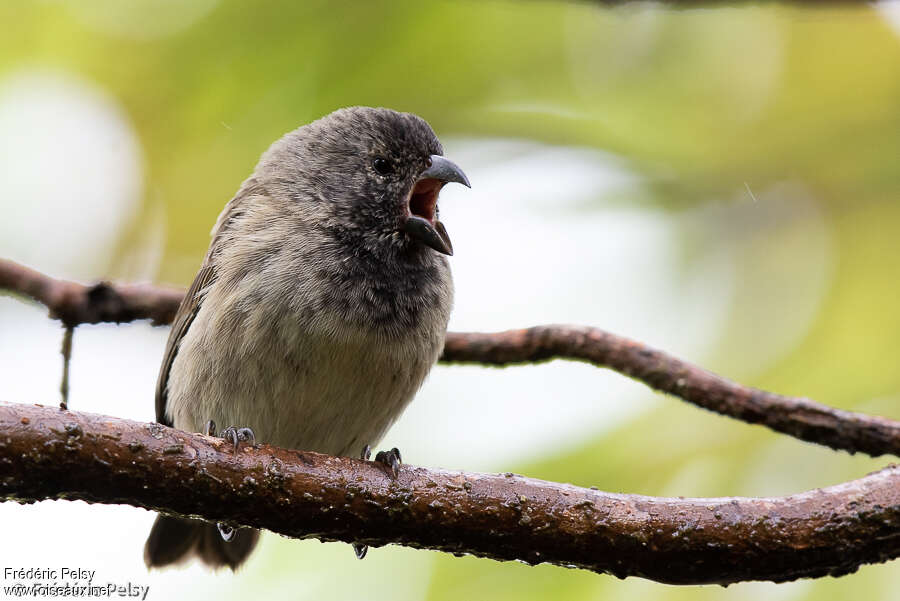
186	313
190	306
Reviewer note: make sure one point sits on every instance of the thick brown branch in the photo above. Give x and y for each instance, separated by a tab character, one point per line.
799	417
48	453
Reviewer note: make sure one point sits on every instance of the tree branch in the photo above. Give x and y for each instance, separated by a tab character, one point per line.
48	453
801	418
75	304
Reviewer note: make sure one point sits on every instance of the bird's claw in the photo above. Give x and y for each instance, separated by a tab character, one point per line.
391	459
232	434
238	435
235	436
226	531
360	550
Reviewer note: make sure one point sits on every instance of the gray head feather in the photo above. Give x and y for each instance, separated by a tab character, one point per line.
319	184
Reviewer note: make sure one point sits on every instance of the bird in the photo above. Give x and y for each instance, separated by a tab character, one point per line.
320	307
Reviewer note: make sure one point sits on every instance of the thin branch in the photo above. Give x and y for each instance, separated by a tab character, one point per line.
66	352
799	417
75	304
47	453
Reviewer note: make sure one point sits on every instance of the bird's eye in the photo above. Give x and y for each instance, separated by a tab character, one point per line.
383	166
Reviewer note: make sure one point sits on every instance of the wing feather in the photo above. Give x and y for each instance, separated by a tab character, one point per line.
192	301
183	319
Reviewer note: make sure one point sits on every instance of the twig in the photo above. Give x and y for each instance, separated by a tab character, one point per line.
799	417
75	304
67	357
46	453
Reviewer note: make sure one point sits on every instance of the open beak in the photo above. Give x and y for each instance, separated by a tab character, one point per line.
421	222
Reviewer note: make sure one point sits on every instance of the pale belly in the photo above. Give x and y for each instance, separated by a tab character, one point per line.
295	388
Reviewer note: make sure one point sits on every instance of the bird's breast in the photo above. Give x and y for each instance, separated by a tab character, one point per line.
304	371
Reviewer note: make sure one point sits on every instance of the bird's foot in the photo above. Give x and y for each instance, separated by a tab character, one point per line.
235	436
232	434
391	459
360	550
226	531
239	435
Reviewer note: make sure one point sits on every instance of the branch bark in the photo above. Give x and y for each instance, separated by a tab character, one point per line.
48	453
801	418
75	304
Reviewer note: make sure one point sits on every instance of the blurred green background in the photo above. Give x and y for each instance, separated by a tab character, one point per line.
764	138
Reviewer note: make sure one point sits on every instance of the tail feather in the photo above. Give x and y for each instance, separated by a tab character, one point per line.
174	540
215	552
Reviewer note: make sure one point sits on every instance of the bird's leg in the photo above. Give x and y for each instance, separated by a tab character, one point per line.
235	436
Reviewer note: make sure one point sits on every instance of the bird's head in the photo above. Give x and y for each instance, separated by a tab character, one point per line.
375	175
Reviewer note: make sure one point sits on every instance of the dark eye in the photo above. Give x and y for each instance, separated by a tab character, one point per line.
383	166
